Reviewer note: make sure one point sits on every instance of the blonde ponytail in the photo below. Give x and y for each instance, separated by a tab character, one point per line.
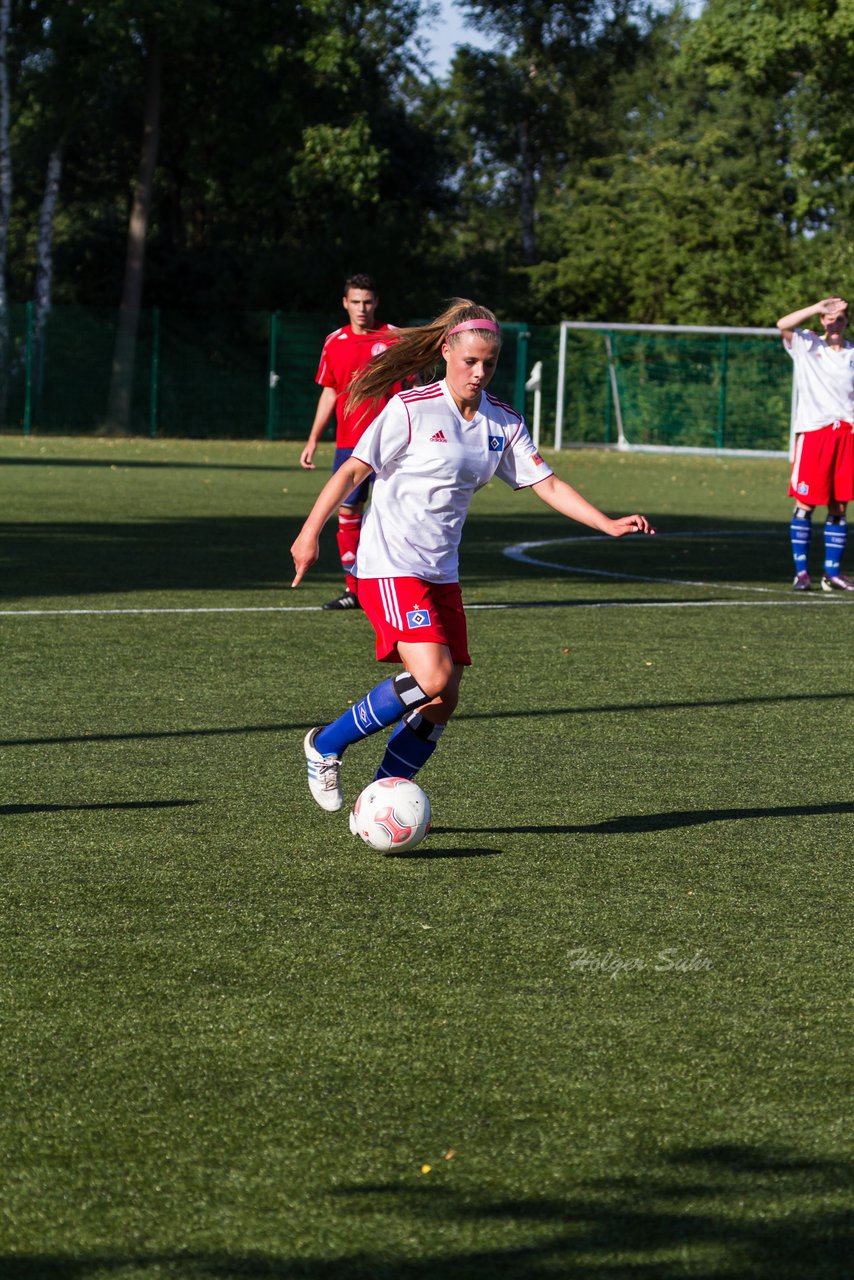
418	349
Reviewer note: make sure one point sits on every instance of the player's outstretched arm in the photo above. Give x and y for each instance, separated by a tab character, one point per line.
569	502
324	411
306	547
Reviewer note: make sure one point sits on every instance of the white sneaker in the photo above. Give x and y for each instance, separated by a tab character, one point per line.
836	582
324	774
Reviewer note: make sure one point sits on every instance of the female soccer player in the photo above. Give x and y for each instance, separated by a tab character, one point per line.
823	469
429	449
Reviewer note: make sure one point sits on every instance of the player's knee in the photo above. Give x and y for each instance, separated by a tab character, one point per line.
836	511
437	683
802	512
448	699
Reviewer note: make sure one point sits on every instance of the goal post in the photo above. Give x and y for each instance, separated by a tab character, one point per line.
666	388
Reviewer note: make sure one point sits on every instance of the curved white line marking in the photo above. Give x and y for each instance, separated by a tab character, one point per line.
519	551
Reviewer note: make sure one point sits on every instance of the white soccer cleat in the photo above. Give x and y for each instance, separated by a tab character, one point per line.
324	774
836	582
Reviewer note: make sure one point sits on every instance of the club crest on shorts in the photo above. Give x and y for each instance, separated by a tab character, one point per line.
803	488
496	444
418	618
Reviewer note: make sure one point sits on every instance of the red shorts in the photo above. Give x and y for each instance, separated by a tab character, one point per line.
823	470
417	611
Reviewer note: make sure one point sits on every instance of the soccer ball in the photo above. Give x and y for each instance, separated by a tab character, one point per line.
391	814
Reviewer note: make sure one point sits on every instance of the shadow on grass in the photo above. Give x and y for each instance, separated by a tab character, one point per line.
429	851
710	1212
531	713
639	823
233	553
122	464
8	810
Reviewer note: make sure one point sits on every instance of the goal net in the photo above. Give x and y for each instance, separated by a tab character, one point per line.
663	388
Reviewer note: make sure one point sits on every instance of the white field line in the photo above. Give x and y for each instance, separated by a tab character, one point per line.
519	551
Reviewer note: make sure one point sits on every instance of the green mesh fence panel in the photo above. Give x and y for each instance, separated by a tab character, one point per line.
250	375
686	390
212	377
544	346
299	341
15	393
69	375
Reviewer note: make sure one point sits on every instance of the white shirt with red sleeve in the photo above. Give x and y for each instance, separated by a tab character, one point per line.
824	379
428	462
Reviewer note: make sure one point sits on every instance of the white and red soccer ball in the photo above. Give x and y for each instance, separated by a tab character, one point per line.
391	814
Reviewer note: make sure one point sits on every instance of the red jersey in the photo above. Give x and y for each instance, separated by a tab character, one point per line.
344	354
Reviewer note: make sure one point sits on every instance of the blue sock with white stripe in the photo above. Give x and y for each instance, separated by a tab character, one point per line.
378	709
835	534
800	531
409	747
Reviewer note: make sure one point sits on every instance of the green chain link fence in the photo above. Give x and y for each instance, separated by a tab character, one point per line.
238	375
250	375
684	390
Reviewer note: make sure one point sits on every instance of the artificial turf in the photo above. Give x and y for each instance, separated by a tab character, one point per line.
594	1026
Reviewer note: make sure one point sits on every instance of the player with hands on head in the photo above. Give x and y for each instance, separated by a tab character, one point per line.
429	449
345	352
823	465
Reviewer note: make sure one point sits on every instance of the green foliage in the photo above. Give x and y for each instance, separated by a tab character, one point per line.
605	161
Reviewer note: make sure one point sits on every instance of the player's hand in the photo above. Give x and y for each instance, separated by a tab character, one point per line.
305	458
630	524
305	552
832	306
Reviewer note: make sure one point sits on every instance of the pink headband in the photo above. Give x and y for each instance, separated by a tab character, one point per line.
475	324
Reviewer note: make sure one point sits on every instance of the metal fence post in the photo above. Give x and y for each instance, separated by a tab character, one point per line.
155	372
28	372
272	376
522	337
721	432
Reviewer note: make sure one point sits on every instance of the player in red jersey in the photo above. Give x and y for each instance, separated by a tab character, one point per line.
345	352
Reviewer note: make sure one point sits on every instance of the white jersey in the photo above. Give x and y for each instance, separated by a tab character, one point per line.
428	461
824	379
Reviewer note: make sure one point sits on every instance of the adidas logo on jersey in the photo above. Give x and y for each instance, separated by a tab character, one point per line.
440	437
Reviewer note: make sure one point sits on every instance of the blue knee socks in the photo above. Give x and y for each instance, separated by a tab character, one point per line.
800	530
835	532
409	747
382	706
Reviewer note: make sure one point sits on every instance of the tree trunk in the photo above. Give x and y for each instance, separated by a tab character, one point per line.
5	199
526	197
121	384
44	249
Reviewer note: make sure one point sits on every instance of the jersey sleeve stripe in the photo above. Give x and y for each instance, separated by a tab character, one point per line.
499	404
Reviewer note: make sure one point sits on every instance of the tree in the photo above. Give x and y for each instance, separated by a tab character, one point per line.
121	383
5	193
532	113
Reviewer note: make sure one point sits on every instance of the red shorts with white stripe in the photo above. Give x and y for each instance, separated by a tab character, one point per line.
416	611
823	470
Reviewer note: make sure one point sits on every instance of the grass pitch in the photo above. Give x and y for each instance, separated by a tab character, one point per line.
593	1026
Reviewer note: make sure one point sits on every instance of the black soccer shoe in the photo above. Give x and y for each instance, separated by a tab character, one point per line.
346	601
